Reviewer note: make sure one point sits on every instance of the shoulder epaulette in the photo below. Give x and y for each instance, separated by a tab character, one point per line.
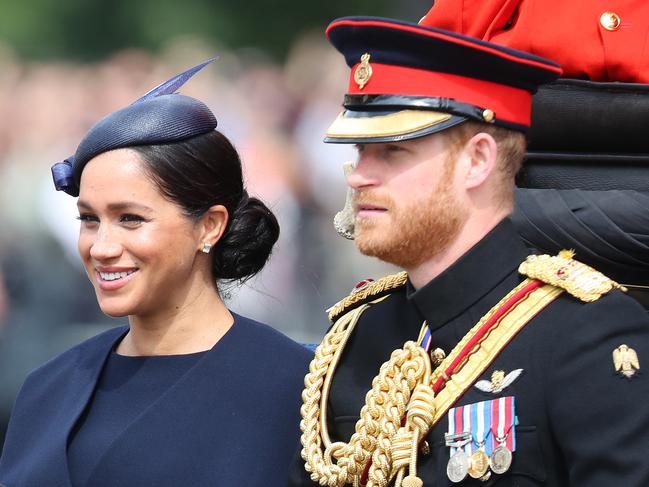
562	271
371	290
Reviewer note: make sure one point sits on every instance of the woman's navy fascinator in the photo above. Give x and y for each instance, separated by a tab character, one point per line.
160	116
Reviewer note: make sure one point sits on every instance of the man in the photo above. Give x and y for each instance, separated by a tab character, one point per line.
478	365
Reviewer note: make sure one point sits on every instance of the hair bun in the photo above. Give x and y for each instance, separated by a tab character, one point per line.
248	241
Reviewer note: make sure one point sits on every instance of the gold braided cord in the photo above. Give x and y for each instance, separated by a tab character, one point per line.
346	327
314	382
380	418
379	286
403	387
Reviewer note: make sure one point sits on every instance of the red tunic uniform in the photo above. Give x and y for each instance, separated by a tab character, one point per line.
601	40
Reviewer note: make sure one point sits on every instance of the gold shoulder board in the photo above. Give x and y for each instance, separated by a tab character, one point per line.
562	271
371	290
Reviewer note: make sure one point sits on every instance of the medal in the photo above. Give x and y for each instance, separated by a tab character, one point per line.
481	438
480	430
458	466
458	439
479	464
501	459
503	426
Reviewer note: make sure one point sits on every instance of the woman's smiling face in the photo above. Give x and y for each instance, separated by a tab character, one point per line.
138	248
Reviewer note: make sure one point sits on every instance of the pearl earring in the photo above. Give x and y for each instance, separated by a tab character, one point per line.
206	248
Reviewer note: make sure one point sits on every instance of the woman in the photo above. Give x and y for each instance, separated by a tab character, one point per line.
189	394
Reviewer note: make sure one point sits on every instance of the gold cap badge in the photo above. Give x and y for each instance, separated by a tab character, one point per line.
626	361
363	72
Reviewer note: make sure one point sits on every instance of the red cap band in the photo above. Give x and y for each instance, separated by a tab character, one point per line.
509	104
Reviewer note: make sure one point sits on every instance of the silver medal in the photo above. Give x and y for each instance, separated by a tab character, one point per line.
500	460
458	466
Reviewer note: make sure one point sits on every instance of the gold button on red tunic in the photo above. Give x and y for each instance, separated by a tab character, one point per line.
610	21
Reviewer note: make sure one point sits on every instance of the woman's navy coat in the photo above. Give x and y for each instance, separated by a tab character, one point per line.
231	420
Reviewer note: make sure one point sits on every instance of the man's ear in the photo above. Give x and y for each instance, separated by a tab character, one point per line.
481	152
213	224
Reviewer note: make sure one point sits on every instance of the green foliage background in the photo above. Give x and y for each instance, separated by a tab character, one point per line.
86	30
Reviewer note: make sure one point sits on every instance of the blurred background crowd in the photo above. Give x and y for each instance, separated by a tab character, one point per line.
275	88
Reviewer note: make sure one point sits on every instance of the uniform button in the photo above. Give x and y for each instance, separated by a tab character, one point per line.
610	21
424	448
437	356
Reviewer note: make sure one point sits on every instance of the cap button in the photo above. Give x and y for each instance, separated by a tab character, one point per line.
610	21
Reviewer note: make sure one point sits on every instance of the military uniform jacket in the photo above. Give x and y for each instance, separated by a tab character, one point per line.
599	41
232	419
580	422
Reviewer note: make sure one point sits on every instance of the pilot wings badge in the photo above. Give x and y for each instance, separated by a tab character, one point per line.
499	381
626	361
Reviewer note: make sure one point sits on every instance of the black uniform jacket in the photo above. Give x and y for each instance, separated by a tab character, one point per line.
232	419
581	423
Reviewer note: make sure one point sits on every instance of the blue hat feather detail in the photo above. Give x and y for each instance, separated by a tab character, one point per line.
160	116
171	85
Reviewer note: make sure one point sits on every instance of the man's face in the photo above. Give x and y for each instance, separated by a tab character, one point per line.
407	204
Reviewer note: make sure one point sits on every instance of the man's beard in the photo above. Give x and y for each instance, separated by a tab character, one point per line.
416	233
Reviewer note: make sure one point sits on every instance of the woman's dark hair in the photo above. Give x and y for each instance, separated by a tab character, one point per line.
203	171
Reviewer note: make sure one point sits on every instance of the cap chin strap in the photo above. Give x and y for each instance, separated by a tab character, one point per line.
366	103
401	102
